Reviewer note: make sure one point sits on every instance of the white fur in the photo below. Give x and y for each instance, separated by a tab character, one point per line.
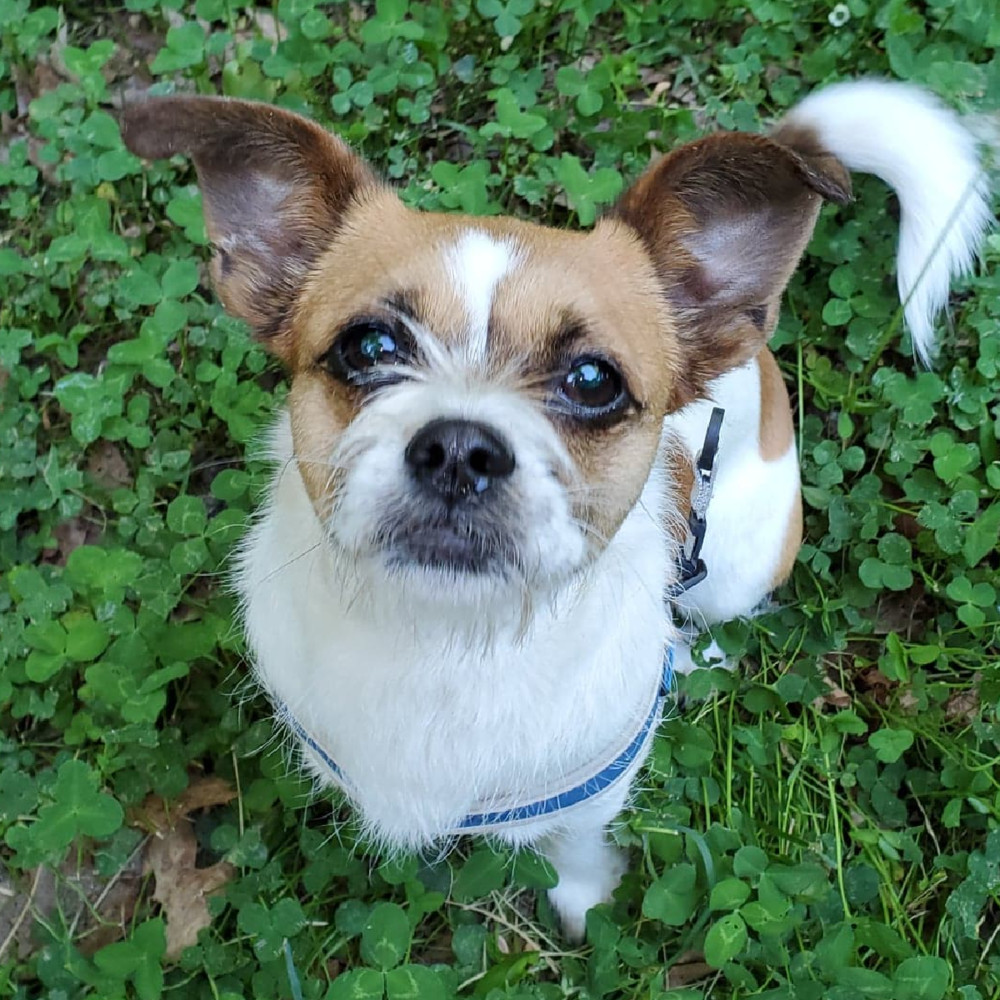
589	871
921	149
476	264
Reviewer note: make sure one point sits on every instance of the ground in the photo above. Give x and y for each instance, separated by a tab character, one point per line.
821	823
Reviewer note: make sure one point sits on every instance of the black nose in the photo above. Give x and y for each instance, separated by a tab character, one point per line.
458	458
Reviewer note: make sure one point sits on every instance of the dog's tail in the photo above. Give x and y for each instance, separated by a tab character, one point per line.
922	150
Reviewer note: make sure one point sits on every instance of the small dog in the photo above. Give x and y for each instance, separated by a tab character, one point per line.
455	596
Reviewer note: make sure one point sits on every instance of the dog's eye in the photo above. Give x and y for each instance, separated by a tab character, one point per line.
368	345
365	350
594	385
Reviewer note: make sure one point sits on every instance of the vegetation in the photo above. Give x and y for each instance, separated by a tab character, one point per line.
825	823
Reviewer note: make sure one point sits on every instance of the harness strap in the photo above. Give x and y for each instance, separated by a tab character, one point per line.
692	567
587	789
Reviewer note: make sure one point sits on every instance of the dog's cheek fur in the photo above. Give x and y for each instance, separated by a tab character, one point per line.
320	410
678	463
614	463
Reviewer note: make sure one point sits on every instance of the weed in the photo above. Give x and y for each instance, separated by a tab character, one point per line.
825	826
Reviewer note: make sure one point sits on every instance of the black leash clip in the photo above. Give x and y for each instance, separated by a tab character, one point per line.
692	567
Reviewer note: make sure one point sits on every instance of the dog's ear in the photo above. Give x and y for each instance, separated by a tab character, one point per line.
725	220
275	188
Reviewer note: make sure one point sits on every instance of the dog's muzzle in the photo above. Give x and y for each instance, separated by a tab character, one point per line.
459	515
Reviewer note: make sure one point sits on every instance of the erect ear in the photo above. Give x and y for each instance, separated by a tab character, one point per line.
725	220
275	188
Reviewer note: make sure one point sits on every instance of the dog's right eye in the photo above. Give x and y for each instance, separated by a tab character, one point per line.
367	352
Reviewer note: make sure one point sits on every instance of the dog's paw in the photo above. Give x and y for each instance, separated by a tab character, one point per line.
579	890
712	656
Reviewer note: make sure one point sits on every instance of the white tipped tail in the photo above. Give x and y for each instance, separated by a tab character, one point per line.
920	148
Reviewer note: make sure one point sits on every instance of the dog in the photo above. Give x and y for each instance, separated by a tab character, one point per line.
459	593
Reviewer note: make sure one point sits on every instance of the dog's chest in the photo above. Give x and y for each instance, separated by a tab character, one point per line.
425	717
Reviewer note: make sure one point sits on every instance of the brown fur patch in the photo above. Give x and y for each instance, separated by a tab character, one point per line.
826	173
679	464
791	544
319	412
776	436
776	432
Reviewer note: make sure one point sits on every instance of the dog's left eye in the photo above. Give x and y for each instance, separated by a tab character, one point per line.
366	346
363	352
593	387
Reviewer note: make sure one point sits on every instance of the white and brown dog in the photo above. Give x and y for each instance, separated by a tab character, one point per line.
455	594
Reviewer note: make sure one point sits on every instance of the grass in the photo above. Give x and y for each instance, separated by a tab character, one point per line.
825	824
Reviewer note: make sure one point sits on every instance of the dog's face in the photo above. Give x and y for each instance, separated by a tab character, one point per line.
482	399
472	396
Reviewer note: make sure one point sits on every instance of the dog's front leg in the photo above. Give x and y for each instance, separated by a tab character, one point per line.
589	869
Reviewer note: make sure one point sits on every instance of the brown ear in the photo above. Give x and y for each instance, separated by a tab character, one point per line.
275	188
725	220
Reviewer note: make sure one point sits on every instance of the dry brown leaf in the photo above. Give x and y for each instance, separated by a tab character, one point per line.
70	535
835	697
115	907
266	24
157	816
689	968
16	902
205	793
181	888
901	612
964	706
872	681
98	909
143	40
27	86
107	466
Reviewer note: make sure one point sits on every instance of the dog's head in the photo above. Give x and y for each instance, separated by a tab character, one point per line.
482	397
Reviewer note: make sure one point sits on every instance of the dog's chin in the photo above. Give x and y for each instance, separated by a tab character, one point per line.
450	559
444	562
443	551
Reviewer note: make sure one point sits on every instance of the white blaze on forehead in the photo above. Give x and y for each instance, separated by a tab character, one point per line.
477	263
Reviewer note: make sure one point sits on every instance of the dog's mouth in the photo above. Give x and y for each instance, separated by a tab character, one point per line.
455	545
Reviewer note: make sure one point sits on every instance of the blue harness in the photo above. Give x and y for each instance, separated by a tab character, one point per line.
493	819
